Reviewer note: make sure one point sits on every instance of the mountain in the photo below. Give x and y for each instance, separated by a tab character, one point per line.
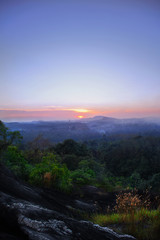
99	118
86	129
107	125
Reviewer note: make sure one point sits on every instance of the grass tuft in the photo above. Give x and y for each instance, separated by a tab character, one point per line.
133	216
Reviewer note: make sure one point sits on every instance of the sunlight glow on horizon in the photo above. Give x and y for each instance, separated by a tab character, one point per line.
61	113
80	110
48	108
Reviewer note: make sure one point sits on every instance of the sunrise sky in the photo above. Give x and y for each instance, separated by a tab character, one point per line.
62	59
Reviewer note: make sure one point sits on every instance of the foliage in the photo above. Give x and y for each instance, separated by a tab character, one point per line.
7	137
133	216
83	176
39	143
155	182
128	202
146	223
125	157
69	146
51	173
15	160
3	132
106	183
71	160
111	163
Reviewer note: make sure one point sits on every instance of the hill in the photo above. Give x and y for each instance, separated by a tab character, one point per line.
86	129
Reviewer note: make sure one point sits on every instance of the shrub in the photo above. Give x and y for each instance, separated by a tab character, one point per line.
133	216
129	202
83	176
155	182
51	173
14	159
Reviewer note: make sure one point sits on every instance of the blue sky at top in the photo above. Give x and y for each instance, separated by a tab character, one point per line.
80	54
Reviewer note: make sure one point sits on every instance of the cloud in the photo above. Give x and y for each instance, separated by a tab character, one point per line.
51	113
47	113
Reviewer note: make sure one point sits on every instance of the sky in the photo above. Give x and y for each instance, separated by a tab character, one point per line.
63	59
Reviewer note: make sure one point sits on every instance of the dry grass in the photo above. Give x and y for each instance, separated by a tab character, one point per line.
130	202
133	215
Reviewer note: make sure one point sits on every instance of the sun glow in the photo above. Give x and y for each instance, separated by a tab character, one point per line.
80	116
80	110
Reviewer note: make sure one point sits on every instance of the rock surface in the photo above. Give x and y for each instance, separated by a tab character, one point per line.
38	214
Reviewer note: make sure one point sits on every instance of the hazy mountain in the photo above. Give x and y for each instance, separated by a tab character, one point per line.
86	129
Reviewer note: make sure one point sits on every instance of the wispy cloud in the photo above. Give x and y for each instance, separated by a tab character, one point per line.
44	113
48	108
64	113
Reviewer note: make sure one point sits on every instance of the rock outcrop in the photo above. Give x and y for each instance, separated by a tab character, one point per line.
38	214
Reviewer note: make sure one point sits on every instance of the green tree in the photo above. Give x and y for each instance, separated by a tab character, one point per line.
51	173
71	161
83	176
8	137
14	159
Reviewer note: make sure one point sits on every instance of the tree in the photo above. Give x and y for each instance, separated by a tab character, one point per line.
36	149
3	133
14	159
7	137
51	173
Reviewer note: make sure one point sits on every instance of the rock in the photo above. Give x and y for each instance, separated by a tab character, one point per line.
38	214
85	206
98	197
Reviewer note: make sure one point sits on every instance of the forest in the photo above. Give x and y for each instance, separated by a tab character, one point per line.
113	164
127	167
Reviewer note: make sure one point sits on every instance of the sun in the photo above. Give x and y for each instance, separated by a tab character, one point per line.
80	116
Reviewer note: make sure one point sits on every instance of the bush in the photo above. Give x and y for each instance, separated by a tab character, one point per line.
105	183
51	173
130	202
132	216
155	182
15	160
83	176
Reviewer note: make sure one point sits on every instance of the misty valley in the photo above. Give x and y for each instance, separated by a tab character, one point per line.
93	171
87	128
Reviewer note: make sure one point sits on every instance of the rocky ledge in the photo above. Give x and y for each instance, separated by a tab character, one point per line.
32	213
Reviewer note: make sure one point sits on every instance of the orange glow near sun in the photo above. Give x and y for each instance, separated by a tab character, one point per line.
80	116
80	110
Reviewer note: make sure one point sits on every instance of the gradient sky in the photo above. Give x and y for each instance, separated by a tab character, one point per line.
60	57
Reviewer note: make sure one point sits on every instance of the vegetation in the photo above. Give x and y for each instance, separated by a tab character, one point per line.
132	215
51	173
8	137
113	164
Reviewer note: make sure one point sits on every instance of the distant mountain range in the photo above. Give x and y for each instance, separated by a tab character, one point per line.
125	120
86	129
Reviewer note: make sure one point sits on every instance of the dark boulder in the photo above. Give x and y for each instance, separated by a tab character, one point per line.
37	214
